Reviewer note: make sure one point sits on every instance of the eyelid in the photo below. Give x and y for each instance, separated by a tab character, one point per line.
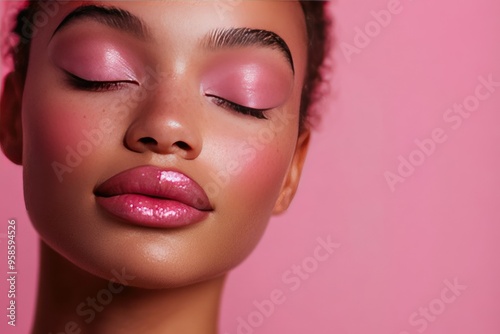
249	78
97	85
74	76
96	58
224	103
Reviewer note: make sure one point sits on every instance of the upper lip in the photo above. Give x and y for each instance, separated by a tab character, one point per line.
156	182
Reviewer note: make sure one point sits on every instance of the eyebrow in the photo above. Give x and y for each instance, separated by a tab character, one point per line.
123	20
111	16
241	37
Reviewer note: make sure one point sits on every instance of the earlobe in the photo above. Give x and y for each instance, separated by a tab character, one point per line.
11	136
292	178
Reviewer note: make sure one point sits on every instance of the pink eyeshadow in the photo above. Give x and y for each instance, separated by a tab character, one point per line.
251	80
93	59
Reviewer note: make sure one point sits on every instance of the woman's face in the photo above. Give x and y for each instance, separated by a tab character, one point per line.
172	93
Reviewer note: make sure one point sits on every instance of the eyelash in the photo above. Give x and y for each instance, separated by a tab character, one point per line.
257	113
105	86
96	86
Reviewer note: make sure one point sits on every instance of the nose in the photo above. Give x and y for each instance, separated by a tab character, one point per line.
165	124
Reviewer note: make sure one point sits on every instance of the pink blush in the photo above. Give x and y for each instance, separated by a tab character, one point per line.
93	59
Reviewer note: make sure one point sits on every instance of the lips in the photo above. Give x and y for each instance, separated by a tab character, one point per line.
153	197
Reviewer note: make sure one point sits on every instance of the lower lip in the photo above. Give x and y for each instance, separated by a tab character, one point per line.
151	212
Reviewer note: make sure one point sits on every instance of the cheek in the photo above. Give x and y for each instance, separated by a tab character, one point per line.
262	176
249	174
264	161
49	130
257	189
61	126
62	142
249	165
63	134
57	135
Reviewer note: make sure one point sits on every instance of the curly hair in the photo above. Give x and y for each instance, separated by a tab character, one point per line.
318	25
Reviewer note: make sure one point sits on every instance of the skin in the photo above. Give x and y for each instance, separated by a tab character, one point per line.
177	273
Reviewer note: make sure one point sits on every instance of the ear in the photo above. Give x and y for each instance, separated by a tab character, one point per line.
292	178
11	135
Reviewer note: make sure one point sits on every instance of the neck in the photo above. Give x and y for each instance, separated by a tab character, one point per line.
71	300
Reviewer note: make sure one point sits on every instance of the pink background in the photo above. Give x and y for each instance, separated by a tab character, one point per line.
397	248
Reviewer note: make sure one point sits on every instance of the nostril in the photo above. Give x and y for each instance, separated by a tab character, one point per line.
148	141
151	142
182	145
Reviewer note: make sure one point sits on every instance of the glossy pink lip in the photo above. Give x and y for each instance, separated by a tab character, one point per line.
153	197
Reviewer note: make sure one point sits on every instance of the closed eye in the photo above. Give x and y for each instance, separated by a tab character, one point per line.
226	104
96	86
